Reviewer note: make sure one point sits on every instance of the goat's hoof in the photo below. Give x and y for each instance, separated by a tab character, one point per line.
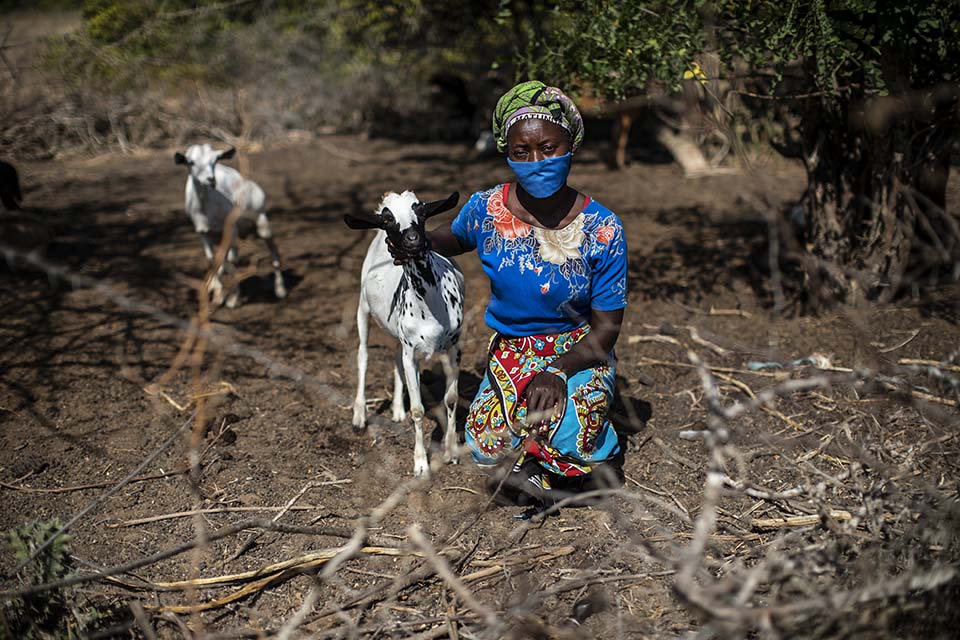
359	421
359	416
280	292
232	302
451	459
421	472
398	416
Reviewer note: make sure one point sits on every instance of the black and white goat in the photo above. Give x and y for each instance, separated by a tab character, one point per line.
420	303
212	192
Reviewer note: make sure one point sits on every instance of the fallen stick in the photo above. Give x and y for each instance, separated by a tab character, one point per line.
452	620
276	573
495	567
94	485
930	363
467	489
812	519
157	390
809	455
694	336
926	396
703	342
798	521
716	312
308	560
656	338
718	537
196	512
645	361
916	332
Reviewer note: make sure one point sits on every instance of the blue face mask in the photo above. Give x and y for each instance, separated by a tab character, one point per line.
542	178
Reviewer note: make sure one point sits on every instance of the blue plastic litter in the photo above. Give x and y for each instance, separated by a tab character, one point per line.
755	365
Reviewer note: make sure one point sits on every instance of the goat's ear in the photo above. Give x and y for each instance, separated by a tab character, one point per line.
439	206
226	155
358	223
179	158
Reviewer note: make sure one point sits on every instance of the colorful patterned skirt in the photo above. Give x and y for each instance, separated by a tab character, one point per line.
580	434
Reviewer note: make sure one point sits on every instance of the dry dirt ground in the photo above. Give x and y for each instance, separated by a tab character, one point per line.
90	380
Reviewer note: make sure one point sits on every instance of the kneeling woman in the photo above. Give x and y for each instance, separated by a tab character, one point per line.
557	263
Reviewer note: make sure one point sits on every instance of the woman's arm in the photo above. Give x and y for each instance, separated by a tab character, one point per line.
596	346
547	389
444	242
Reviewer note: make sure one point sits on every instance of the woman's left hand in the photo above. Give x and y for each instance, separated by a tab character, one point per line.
543	395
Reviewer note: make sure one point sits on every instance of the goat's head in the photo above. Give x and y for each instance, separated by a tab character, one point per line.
201	160
403	216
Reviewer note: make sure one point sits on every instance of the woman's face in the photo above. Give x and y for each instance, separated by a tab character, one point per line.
534	139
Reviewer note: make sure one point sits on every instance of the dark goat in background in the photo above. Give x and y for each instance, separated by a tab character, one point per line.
10	194
22	235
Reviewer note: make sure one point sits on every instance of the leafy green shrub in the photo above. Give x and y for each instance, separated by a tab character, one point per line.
57	613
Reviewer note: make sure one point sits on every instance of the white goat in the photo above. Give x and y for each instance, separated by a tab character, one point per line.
213	191
419	303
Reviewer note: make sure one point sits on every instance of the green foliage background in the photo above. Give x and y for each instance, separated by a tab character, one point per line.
616	48
847	46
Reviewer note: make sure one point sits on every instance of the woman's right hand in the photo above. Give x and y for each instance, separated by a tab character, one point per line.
544	394
401	257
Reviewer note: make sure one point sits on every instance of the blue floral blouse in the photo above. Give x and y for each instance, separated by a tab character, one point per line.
541	280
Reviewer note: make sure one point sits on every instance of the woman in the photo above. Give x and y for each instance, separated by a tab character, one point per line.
557	263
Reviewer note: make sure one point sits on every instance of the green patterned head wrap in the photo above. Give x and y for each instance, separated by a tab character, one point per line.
534	99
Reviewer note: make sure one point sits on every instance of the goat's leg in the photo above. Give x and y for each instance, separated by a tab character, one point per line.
451	371
399	413
207	245
216	286
360	402
263	230
421	468
230	264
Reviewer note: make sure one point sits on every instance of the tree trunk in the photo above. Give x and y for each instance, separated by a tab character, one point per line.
685	151
875	201
619	138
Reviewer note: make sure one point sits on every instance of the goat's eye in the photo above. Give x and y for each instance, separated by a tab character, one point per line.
387	218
